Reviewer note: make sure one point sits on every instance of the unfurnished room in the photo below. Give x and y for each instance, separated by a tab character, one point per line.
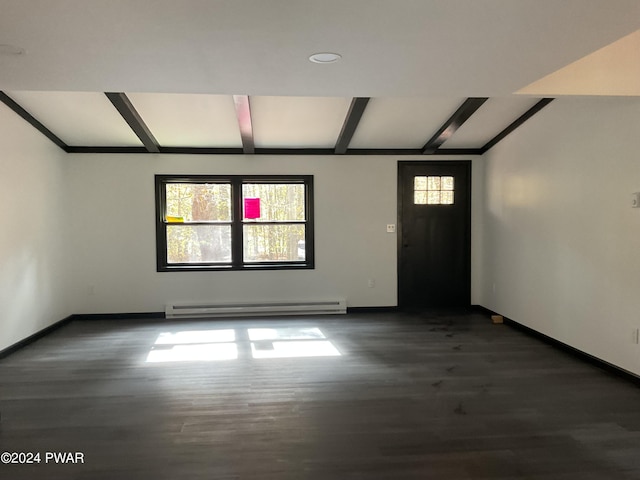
295	240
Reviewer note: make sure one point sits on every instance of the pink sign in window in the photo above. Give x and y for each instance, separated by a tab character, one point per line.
251	208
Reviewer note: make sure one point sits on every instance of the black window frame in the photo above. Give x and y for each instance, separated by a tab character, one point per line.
237	262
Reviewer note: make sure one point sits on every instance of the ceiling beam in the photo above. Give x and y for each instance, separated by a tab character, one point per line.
272	151
9	102
358	104
109	149
243	113
447	130
131	116
523	118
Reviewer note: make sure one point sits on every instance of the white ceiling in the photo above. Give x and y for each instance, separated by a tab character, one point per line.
491	118
78	118
402	122
180	62
189	120
390	48
303	122
209	121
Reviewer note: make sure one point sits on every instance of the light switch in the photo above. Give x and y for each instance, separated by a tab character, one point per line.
391	228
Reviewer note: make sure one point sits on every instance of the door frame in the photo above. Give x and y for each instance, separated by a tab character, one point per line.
467	241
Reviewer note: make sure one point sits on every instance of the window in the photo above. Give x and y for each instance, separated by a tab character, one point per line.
433	190
206	222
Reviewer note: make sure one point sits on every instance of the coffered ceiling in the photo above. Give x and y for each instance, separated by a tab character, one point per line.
214	76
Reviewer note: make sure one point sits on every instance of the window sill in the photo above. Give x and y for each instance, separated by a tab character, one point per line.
244	268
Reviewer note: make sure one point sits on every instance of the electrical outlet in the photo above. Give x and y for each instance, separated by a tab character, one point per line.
391	228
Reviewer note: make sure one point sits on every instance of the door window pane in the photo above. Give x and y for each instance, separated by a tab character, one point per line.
433	198
420	198
433	190
446	198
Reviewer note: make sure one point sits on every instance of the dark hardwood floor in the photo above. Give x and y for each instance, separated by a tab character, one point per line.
411	396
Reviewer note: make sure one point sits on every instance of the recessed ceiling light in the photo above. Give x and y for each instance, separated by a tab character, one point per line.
6	49
325	57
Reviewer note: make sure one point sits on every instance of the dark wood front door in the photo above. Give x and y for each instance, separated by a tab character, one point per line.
434	235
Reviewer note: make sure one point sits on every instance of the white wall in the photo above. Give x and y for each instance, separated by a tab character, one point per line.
113	241
33	276
561	244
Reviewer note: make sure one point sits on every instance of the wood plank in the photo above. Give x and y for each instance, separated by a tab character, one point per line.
428	394
34	122
351	121
450	127
124	106
516	124
243	113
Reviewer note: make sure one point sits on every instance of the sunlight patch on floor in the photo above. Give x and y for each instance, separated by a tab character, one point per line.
205	352
284	333
196	336
223	344
294	349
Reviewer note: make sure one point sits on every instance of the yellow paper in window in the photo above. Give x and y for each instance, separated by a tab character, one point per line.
175	219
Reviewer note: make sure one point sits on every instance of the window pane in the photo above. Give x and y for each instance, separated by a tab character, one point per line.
446	197
277	201
433	183
199	202
420	198
198	243
420	183
447	183
274	243
433	198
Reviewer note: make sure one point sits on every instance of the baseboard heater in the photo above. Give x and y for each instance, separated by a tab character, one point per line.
245	309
